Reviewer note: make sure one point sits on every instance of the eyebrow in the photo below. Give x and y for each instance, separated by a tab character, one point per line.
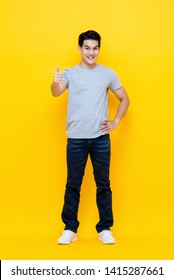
93	47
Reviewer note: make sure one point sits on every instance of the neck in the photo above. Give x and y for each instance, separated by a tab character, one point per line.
87	66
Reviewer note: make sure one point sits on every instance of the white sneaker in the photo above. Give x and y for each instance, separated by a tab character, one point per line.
67	237
105	236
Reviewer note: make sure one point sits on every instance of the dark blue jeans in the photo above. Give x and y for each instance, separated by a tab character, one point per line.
77	154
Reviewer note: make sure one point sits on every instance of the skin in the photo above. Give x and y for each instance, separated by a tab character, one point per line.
89	53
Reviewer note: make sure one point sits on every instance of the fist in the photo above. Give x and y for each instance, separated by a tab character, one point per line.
57	76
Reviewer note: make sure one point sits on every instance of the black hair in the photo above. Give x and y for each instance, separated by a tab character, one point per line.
89	35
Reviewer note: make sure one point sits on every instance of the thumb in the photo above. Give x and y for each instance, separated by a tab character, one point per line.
58	69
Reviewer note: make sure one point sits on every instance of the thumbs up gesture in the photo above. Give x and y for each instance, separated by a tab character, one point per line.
57	76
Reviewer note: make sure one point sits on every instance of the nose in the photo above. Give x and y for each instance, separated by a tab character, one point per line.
91	51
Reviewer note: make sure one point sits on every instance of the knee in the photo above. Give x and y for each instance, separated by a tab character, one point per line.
72	187
104	187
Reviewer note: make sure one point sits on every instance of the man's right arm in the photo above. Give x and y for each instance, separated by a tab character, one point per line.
58	85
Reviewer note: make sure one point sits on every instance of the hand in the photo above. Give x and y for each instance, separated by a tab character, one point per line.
107	126
57	76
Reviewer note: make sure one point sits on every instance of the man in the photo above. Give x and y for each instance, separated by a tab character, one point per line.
88	133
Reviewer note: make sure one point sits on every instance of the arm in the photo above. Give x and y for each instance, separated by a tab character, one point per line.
121	94
58	85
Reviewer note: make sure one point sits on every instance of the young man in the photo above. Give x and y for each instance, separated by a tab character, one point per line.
88	133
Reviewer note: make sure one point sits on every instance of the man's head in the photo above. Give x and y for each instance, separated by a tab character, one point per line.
89	35
89	46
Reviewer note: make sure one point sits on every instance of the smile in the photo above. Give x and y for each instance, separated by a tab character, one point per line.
91	58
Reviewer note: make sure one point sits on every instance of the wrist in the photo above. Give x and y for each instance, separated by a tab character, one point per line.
116	121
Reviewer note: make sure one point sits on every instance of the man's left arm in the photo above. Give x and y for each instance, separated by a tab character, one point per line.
109	125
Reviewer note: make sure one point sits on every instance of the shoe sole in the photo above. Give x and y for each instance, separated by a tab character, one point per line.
66	243
107	243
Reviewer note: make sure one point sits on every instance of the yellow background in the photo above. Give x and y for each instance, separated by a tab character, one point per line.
137	42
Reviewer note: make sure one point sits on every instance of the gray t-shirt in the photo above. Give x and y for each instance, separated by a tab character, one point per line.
88	99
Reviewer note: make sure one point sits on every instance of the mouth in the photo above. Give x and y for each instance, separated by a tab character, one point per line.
91	57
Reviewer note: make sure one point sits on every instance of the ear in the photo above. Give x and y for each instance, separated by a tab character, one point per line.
79	48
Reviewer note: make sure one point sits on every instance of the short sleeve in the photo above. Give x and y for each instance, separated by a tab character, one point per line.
65	76
115	82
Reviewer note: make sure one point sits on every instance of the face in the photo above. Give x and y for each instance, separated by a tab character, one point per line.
89	53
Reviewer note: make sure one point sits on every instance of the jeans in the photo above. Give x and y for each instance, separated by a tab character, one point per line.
77	154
